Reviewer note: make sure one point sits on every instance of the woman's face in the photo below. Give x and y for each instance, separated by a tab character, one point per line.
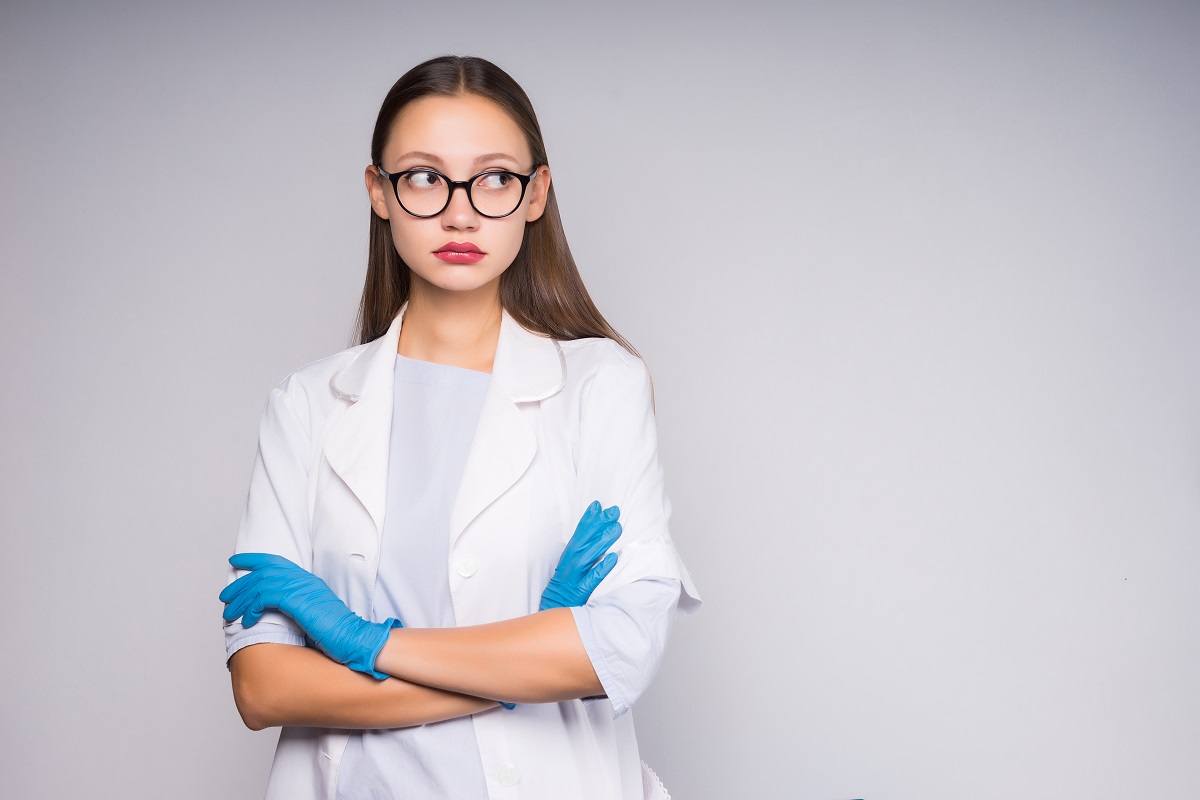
459	137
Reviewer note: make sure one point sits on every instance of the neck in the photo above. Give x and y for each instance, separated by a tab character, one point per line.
455	328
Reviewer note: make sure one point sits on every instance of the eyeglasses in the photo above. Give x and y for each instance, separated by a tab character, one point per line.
425	192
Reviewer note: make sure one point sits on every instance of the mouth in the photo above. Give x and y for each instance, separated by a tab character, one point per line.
459	253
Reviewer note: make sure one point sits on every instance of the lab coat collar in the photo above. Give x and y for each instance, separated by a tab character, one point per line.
527	366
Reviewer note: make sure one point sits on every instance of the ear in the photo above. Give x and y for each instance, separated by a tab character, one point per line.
539	190
377	189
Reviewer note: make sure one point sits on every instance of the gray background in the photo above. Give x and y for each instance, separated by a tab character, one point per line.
918	286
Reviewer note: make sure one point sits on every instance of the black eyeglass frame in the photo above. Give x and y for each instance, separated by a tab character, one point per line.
394	178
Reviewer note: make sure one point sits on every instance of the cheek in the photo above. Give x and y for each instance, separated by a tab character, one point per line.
408	235
510	238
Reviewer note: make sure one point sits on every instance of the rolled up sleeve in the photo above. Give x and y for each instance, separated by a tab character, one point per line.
625	634
237	636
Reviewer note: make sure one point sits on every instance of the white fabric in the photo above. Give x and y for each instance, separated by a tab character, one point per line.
562	424
652	785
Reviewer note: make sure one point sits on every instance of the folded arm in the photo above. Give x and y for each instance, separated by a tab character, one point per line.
534	659
282	684
621	638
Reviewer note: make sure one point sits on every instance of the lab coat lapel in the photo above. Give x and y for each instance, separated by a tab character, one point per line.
527	368
357	443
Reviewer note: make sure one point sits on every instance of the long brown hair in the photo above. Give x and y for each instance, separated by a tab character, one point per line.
542	289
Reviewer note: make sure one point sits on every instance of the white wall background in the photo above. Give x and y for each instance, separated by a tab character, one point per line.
918	284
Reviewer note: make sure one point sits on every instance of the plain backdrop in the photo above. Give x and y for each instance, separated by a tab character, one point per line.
918	284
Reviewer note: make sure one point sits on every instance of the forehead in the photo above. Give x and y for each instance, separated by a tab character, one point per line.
458	129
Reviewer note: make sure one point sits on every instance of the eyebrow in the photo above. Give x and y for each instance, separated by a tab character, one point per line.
430	157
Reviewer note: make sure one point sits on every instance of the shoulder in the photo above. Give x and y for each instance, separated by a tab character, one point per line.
305	391
585	358
317	374
600	369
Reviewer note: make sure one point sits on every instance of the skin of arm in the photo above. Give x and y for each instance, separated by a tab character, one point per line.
282	684
533	659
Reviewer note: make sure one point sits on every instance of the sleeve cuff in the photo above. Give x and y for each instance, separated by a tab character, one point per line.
595	654
250	636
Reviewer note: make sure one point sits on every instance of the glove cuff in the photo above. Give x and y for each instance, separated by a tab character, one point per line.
385	630
557	597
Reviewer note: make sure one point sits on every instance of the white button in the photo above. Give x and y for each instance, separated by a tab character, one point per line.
509	776
466	567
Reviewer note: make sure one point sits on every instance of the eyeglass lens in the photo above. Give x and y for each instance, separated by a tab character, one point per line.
493	194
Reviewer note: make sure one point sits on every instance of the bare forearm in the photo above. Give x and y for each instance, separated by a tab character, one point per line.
535	659
280	684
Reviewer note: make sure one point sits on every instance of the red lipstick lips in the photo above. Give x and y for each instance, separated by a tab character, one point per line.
459	253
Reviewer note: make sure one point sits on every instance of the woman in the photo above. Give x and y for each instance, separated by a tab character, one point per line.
412	496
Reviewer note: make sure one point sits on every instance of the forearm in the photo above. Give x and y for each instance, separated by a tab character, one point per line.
281	684
534	659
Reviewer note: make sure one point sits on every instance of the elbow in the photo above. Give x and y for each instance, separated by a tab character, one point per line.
251	694
251	722
251	707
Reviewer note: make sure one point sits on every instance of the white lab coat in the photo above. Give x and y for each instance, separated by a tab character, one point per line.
562	424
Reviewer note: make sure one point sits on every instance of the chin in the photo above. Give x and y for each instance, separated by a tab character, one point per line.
461	283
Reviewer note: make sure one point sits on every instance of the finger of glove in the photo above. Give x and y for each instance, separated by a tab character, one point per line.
257	603
282	589
234	595
240	603
587	520
597	574
589	531
229	592
253	614
253	578
240	585
259	560
599	545
574	566
286	585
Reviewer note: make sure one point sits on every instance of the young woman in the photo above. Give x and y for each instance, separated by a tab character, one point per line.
423	510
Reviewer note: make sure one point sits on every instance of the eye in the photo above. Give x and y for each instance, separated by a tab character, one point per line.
422	179
494	181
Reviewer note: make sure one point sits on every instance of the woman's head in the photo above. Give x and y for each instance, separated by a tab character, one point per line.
459	116
457	185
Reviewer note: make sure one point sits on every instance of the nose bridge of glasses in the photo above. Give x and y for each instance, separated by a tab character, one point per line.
468	199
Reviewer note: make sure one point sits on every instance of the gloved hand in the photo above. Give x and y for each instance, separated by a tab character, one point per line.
275	582
578	572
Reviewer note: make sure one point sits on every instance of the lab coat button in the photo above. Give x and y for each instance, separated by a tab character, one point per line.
509	776
466	567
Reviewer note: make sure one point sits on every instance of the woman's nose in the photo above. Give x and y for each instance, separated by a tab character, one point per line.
460	214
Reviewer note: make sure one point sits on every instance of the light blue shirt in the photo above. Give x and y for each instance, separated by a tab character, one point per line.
435	412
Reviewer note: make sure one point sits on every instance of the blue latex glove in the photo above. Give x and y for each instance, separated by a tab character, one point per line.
275	582
579	572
